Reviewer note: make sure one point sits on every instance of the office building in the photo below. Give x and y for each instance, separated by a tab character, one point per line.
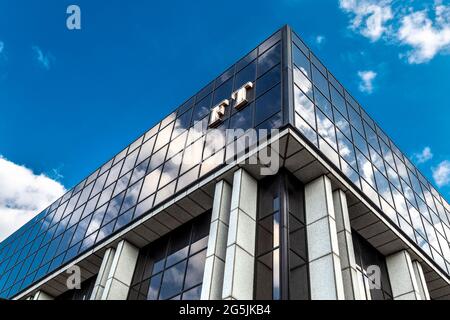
271	182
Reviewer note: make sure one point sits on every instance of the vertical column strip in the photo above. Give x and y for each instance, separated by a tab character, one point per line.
240	254
323	251
346	249
217	243
402	276
121	273
100	281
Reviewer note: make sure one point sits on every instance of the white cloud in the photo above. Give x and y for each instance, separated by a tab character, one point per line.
366	81
3	56
44	60
424	36
320	39
23	194
369	16
441	174
425	32
423	156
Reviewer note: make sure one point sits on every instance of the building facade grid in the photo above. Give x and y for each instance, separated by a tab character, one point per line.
331	119
161	163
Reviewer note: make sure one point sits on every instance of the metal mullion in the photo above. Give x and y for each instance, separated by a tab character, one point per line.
284	237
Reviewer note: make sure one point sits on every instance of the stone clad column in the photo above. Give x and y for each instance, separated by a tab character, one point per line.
323	251
402	276
217	243
346	249
240	253
420	277
121	272
103	273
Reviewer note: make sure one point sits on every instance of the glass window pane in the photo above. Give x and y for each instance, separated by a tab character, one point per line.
305	128
365	169
192	294
383	187
337	85
172	282
105	195
268	80
393	177
301	61
377	160
320	81
114	173
168	119
338	101
96	220
242	63
153	290
122	184
187	178
113	208
193	155
139	171
268	104
360	143
85	194
245	75
372	137
177	144
146	150
346	149
182	123
323	103
297	41
164	136
131	196
157	159
98	186
318	64
223	92
150	183
269	58
243	118
216	139
303	82
356	121
326	129
170	170
304	107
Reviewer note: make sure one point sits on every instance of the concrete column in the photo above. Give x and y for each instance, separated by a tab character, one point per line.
41	295
323	250
402	276
421	282
103	273
346	249
121	272
217	243
240	253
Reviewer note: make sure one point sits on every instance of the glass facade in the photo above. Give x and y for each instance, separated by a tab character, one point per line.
281	270
146	173
84	293
330	118
366	256
172	267
162	162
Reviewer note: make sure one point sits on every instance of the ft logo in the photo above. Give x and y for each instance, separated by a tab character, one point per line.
73	21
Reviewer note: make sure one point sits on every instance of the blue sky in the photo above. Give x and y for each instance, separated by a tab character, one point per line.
71	99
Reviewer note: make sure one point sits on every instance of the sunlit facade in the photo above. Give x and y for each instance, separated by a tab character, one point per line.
179	214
